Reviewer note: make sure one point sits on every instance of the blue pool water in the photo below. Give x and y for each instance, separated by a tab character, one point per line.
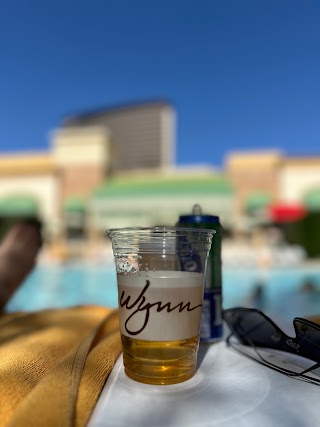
73	284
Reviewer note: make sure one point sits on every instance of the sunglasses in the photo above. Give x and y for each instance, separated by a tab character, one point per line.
259	338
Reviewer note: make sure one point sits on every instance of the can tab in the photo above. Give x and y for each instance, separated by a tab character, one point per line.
196	210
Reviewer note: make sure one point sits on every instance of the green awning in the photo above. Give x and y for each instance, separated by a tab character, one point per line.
311	200
74	204
164	187
19	206
257	201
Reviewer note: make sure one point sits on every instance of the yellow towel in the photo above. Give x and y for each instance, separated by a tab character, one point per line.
54	363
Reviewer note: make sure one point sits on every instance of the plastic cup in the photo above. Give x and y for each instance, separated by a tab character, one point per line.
160	275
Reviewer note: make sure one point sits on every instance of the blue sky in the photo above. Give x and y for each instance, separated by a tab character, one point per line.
242	74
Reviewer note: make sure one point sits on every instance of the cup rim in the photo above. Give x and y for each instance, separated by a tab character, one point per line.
165	229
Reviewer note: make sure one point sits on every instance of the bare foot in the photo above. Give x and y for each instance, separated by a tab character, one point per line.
18	253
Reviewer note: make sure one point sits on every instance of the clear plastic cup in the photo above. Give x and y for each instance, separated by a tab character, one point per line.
160	274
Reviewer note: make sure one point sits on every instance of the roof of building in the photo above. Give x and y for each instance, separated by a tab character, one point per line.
166	187
85	118
312	199
257	200
19	205
74	204
255	159
25	163
303	160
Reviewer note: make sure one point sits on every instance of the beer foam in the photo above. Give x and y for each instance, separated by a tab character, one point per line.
162	279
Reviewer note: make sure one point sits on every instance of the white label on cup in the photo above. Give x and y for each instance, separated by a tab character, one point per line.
160	305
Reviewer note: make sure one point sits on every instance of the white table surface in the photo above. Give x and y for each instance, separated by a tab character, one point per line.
228	390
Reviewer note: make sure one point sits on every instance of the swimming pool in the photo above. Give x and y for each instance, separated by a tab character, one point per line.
277	290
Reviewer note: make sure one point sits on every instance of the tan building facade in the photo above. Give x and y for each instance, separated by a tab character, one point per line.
143	135
33	176
82	158
85	151
116	168
263	178
254	174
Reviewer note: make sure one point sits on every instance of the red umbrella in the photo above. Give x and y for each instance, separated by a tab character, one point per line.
286	212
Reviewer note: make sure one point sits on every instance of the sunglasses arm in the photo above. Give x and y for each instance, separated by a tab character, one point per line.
317	365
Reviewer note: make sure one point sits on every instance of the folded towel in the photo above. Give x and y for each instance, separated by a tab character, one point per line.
54	363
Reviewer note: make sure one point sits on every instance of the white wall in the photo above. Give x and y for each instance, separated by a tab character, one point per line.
168	135
81	146
118	212
295	181
43	187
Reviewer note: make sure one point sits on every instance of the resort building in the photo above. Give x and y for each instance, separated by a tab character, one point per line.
29	187
142	136
159	198
299	181
264	178
278	191
116	167
255	177
107	169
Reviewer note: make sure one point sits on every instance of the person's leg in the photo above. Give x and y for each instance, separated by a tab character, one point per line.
18	253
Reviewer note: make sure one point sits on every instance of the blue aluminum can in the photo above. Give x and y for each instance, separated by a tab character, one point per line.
211	324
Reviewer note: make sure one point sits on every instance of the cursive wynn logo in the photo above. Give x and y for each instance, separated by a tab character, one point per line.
141	305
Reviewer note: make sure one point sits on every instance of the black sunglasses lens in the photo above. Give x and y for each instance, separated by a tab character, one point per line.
266	343
251	327
308	337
